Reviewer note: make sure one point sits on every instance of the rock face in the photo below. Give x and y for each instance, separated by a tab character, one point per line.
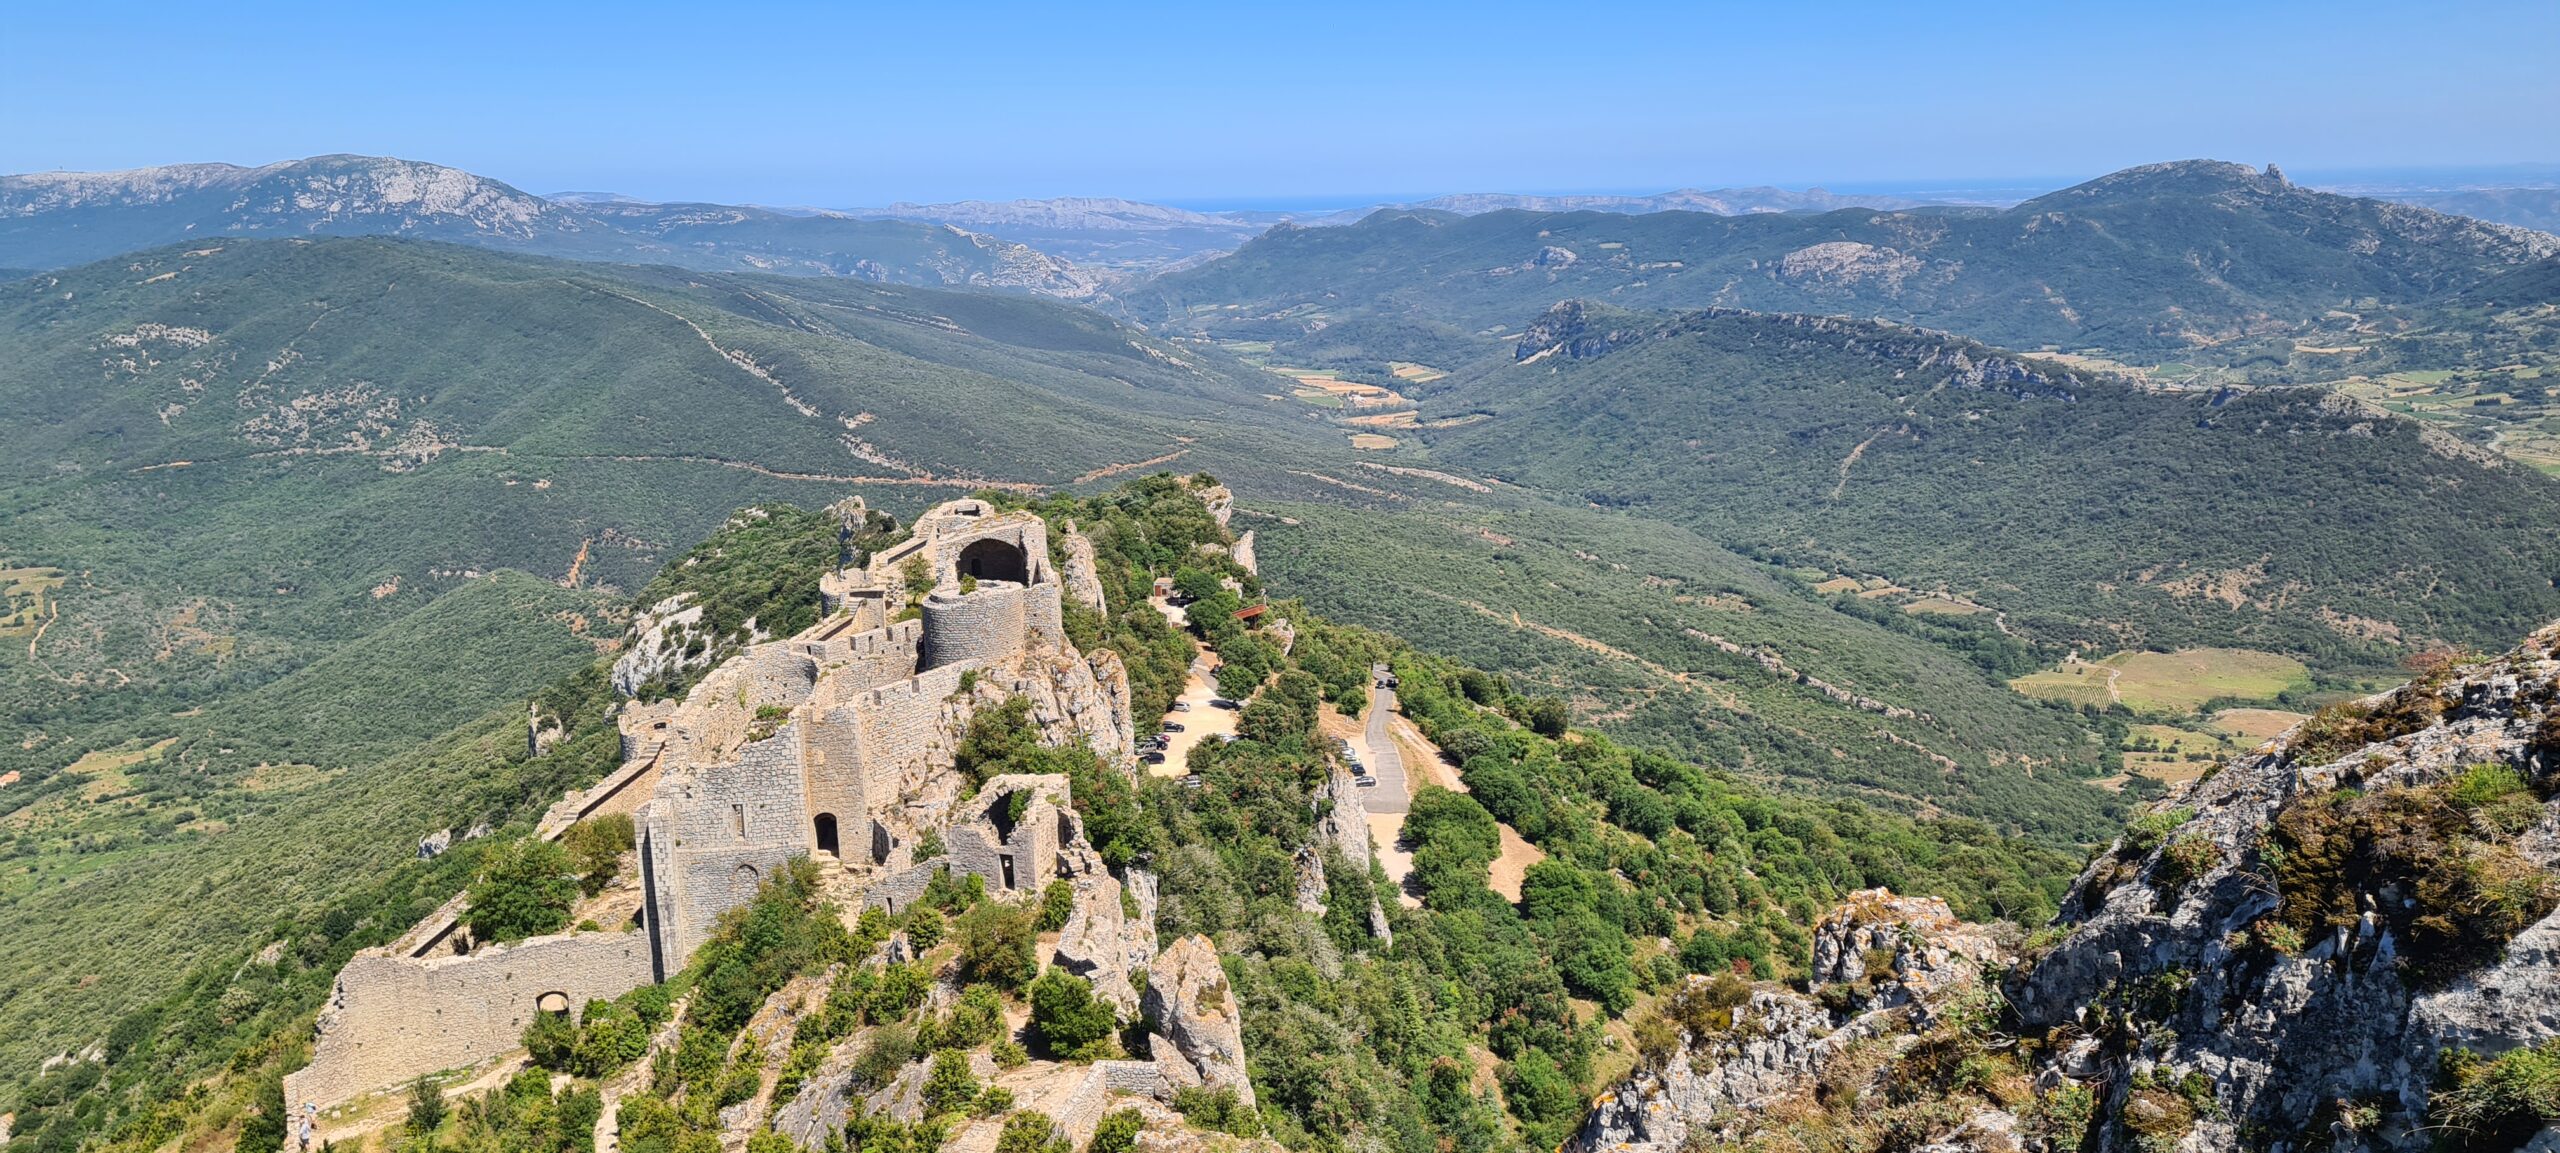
1199	1035
1736	1061
1083	580
2285	957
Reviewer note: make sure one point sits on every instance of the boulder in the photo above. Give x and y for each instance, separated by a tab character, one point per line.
1199	1033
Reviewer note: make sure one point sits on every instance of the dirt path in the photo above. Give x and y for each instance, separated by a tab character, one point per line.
1132	466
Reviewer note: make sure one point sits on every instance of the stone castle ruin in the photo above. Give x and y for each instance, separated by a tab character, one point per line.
837	745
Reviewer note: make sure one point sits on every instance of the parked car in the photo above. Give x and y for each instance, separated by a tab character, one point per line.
1190	782
1173	726
1182	706
1156	758
1366	782
1221	703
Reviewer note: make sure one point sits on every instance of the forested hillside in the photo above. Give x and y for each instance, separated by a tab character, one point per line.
2147	264
1348	1034
2083	508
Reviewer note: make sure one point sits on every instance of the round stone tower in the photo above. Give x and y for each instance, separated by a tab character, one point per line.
983	627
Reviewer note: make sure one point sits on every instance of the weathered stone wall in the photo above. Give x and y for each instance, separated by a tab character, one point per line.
728	827
393	1019
981	628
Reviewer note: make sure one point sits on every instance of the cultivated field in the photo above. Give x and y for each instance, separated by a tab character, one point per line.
2167	684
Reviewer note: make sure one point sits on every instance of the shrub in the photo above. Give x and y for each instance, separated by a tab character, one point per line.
1216	1109
2186	859
1057	903
997	944
992	1100
951	1086
1071	1020
524	890
595	848
1117	1132
1030	1132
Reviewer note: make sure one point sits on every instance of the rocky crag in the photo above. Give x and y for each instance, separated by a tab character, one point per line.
2344	939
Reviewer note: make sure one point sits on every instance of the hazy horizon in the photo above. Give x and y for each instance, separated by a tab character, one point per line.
805	104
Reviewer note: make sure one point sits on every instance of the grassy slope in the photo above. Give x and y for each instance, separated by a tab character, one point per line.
1599	607
396	719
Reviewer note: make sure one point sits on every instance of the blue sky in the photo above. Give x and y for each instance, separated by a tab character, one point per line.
846	104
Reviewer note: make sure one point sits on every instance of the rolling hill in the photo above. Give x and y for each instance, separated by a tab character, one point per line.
2152	263
2087	509
59	219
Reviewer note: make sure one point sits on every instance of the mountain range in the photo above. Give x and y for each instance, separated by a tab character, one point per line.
52	220
2162	261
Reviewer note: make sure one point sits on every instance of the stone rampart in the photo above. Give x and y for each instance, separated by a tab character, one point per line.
393	1019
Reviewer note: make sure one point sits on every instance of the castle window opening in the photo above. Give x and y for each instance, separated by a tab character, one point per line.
1004	867
738	820
826	824
993	559
747	877
557	1003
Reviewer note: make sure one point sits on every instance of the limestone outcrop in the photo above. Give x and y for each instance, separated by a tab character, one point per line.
1083	577
1199	1037
1741	1054
2323	943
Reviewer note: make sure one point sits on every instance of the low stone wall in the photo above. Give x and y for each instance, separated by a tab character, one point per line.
393	1019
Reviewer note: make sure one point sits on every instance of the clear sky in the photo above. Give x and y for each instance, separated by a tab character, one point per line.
851	104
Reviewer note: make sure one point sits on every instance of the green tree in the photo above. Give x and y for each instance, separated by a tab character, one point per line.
426	1107
595	847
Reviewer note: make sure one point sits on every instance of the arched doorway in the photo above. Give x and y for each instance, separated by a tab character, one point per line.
994	560
826	823
553	1003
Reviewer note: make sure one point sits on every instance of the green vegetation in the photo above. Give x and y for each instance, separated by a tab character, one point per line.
2501	1100
1845	446
2448	848
525	890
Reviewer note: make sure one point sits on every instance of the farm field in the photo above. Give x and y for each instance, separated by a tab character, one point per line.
2167	684
23	596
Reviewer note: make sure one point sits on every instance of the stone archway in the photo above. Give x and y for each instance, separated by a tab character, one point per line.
826	832
994	559
553	1003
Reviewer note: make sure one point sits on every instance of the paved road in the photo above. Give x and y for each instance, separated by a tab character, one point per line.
1393	794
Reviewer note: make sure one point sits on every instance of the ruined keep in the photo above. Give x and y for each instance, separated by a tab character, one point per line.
835	744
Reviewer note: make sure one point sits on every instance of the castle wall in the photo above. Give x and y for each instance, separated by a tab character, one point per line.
730	826
393	1019
982	628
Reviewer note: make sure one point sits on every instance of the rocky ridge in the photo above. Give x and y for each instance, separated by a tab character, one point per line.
2343	939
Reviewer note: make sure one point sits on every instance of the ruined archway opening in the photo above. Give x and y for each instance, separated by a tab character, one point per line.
826	830
553	1003
994	560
